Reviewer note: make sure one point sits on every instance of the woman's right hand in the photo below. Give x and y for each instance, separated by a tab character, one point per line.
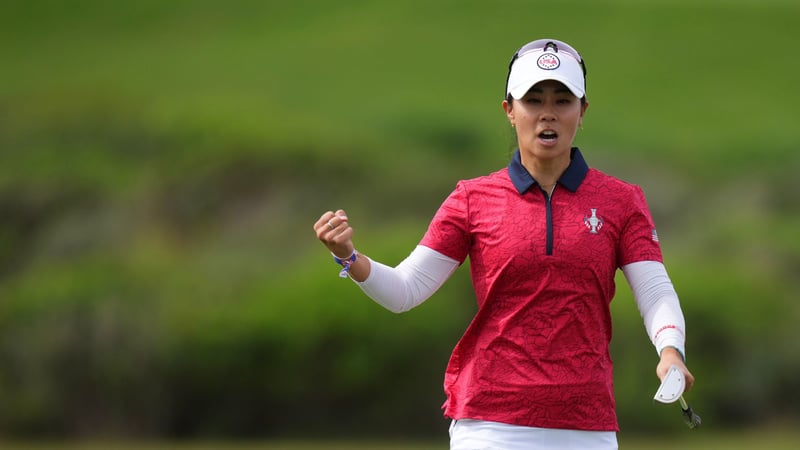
333	229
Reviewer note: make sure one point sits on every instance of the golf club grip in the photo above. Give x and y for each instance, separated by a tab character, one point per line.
690	417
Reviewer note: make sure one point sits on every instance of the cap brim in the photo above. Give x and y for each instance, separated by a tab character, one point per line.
521	89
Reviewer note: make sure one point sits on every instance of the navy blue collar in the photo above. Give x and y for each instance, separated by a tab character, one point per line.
570	179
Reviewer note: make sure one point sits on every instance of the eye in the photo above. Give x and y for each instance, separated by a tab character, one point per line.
533	100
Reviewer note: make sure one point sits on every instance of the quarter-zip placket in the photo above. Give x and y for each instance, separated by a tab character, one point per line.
549	219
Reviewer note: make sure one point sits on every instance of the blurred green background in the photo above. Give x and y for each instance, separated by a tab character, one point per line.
163	163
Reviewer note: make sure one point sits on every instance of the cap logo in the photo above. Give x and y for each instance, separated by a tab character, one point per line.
548	61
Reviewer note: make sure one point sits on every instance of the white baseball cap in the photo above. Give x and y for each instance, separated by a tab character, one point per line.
546	59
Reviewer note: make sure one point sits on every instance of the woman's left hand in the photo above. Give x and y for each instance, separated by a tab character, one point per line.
672	357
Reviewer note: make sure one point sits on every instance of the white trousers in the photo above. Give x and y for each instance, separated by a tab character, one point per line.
467	434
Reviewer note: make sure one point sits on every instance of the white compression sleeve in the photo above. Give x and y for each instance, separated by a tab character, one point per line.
658	304
413	281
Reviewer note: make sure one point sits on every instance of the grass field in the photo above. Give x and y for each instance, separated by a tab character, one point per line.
772	439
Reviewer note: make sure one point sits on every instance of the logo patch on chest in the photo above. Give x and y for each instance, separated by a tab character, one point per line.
594	222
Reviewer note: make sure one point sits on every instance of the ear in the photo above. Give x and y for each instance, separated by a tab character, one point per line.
509	110
584	107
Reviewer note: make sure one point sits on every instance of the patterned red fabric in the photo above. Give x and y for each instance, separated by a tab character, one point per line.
536	353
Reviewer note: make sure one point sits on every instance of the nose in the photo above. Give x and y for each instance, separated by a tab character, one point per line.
547	116
547	113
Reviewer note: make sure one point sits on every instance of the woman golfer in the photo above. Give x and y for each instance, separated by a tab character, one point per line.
545	236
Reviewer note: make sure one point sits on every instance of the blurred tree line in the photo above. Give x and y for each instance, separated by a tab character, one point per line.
162	165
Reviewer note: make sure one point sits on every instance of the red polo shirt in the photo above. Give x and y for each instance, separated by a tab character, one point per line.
537	351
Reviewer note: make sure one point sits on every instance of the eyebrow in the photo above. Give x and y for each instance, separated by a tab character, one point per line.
560	90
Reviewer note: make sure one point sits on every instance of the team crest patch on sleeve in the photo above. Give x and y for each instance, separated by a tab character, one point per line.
654	235
593	222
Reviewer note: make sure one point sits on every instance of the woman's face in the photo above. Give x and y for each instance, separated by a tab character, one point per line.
546	119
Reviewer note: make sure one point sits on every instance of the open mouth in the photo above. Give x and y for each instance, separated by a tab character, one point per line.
548	136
